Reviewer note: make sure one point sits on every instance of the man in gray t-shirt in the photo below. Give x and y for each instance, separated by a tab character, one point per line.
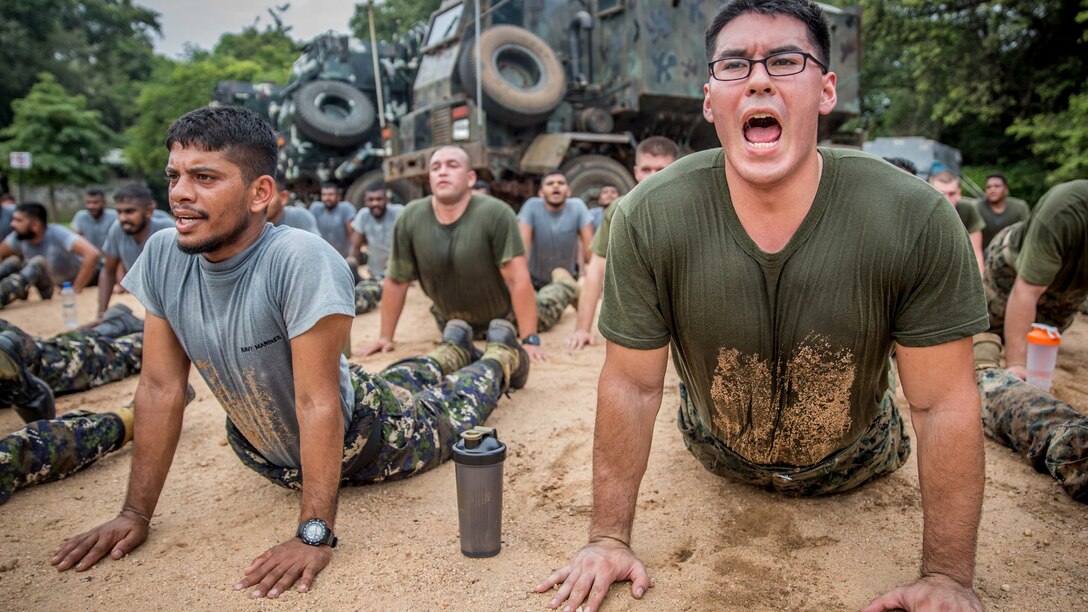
280	211
51	254
262	312
552	226
6	213
95	219
373	226
125	241
333	218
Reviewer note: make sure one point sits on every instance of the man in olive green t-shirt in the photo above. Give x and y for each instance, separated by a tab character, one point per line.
1036	271
467	253
998	209
782	275
949	185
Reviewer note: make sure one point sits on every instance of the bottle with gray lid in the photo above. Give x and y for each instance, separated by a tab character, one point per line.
479	456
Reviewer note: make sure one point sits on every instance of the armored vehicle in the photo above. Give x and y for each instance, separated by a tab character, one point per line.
571	85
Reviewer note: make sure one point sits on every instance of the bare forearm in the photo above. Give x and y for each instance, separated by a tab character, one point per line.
621	448
951	473
591	293
393	296
1019	315
158	420
321	431
523	301
86	271
106	279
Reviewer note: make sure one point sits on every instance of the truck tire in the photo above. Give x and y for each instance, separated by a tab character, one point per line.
587	173
402	191
333	113
522	79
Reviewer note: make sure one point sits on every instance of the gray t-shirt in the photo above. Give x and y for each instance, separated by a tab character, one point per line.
94	230
6	214
299	218
56	247
333	224
555	236
120	245
379	236
236	318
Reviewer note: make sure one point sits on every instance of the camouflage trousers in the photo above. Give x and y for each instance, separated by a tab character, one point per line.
49	450
881	450
1049	433
551	301
368	292
81	359
419	406
1056	308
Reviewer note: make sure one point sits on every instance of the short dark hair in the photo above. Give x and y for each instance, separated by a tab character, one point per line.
281	180
376	187
803	10
903	164
138	192
96	192
34	210
658	145
998	175
482	184
552	173
240	134
612	185
6	197
330	185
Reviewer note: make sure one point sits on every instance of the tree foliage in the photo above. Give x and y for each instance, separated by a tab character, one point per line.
67	140
101	49
391	17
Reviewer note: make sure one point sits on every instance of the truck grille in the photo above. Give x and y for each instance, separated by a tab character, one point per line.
440	127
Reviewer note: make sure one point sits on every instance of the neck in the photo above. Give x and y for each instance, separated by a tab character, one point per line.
142	235
448	212
771	213
239	243
558	206
275	220
998	206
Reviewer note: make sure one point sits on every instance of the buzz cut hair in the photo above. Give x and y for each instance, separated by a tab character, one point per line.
806	12
658	146
134	192
241	135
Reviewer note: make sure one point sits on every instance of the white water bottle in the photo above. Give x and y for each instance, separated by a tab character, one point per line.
68	306
1043	343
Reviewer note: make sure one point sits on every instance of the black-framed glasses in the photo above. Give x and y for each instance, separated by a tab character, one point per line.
777	65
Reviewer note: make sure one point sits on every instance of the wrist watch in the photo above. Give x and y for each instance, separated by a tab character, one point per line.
531	340
316	532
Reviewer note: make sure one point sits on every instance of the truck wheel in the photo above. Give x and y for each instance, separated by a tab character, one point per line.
522	79
402	192
587	173
333	113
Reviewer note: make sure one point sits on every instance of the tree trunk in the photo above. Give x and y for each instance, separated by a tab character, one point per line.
52	202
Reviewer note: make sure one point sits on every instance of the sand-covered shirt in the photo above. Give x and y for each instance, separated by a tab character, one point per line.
555	236
458	264
1016	210
56	248
785	354
1053	243
333	224
236	319
124	247
94	230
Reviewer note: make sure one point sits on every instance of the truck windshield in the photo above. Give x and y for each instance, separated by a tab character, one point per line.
445	24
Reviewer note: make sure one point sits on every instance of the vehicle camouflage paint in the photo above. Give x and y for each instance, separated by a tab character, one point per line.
572	85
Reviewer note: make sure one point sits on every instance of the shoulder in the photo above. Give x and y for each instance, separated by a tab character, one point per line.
490	205
59	232
157	224
80	215
394	209
577	204
417	209
1066	199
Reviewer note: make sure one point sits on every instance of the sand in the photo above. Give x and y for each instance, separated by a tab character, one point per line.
707	542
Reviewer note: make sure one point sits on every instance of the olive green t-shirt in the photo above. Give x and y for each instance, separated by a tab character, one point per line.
967	209
785	354
599	246
1053	243
458	264
1015	210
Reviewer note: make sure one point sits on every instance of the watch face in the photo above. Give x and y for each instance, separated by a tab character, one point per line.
313	532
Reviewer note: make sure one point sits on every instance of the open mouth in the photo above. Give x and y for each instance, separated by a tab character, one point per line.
762	131
185	221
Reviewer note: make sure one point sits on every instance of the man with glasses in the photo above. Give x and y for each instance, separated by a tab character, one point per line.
782	274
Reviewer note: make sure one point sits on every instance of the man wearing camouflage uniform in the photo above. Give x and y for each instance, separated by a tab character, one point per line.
262	312
1036	271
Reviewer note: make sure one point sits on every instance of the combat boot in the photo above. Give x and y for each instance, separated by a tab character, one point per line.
10	266
118	321
987	348
459	333
36	272
503	346
32	398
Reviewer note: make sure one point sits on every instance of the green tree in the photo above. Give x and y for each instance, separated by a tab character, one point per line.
270	47
1060	139
391	17
101	49
66	139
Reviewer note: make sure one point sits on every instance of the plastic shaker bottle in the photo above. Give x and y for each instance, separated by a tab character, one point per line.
1043	343
479	456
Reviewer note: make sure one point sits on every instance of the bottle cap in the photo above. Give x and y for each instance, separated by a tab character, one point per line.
66	285
1044	335
479	446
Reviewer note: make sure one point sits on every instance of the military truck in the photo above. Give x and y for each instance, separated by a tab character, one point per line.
571	85
327	114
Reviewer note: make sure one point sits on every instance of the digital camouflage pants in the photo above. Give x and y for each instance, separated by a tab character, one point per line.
419	406
1049	433
1056	308
368	293
551	301
79	360
881	450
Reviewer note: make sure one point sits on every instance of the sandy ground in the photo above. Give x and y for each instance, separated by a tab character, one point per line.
708	543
